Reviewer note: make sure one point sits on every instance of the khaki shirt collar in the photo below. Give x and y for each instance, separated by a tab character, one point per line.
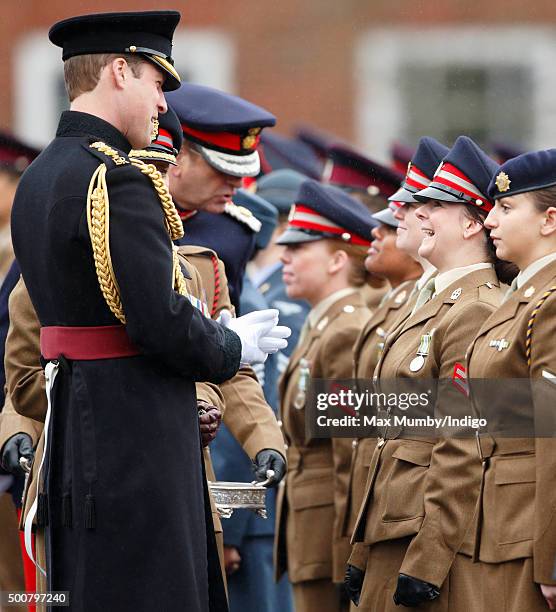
318	311
445	279
533	268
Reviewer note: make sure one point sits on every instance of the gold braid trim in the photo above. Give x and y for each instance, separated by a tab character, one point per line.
173	221
179	278
98	208
157	155
98	221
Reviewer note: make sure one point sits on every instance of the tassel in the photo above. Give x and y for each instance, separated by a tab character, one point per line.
90	511
67	512
42	510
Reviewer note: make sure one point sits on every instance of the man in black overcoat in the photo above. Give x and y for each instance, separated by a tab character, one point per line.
127	525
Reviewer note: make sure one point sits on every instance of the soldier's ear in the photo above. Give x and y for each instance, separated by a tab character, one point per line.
548	225
471	227
118	69
338	260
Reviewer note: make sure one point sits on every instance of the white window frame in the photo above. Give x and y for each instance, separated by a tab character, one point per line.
380	53
208	55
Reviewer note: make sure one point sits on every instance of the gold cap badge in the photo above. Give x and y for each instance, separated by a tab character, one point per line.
251	139
503	182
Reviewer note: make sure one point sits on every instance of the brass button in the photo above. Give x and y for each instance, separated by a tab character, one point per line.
354	443
280	424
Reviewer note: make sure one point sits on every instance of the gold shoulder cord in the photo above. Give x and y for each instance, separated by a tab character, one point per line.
531	322
98	221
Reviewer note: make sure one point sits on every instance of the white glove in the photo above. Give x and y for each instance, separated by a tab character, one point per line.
259	333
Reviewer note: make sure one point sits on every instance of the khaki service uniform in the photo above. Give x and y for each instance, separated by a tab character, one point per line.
421	491
306	546
515	532
366	353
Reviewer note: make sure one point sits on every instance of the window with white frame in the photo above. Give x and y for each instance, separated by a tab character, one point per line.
491	83
203	56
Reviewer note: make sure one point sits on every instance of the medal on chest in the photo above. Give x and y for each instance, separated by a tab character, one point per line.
422	352
302	384
381	333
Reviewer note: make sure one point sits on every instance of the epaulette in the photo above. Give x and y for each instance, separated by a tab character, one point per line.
150	156
243	215
190	249
107	155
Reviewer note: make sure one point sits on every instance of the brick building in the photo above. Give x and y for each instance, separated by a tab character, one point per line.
368	70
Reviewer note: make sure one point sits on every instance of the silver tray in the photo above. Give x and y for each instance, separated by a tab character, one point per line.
230	496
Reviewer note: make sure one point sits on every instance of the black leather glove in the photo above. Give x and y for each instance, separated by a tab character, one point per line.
210	418
412	592
353	582
20	445
269	459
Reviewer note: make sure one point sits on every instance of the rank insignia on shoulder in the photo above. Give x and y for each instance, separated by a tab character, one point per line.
243	215
456	293
529	291
499	345
349	308
264	287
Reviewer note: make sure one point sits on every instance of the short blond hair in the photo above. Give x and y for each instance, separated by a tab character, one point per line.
358	274
82	72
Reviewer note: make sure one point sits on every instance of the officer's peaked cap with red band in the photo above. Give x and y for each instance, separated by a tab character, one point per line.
147	33
350	169
226	128
324	211
401	155
421	169
462	177
15	155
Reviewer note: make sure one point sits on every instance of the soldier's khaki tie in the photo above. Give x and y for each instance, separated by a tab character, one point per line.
510	291
424	295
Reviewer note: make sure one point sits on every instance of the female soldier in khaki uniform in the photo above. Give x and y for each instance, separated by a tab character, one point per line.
394	309
516	535
401	271
411	529
326	243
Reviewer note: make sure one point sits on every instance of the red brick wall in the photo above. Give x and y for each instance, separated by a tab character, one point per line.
294	56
